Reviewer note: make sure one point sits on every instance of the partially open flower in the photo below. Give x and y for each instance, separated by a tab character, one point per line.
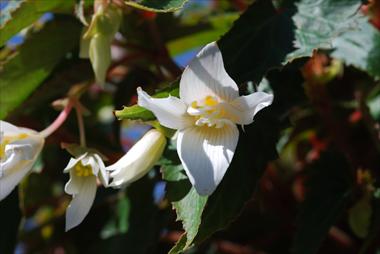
19	149
138	160
84	171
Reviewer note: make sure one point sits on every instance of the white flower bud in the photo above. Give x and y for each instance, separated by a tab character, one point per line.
138	160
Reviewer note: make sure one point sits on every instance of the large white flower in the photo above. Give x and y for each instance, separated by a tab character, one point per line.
19	149
138	160
82	186
206	116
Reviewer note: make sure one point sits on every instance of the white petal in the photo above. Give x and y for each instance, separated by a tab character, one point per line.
92	163
205	75
206	154
71	164
13	170
170	112
102	174
74	184
20	156
11	129
81	203
251	104
8	128
138	160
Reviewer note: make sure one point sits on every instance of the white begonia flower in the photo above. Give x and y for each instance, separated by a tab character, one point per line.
205	116
84	171
138	160
19	149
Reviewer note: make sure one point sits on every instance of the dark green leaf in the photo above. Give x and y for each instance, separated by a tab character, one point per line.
143	222
35	60
259	40
359	216
157	6
265	37
187	202
327	191
10	216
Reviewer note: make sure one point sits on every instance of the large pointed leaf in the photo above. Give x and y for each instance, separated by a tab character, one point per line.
35	60
259	40
186	201
319	22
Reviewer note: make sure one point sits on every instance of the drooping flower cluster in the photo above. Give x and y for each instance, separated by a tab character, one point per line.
206	116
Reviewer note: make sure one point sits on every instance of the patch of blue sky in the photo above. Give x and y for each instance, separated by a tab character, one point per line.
3	4
185	58
159	192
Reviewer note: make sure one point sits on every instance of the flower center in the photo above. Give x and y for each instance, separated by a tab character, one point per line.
5	140
82	171
208	112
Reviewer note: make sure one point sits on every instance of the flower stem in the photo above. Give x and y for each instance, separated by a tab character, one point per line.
57	122
82	133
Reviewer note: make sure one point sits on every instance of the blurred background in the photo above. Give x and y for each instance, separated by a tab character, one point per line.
151	51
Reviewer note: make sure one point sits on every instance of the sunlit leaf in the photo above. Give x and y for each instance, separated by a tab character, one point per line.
19	14
35	60
157	6
360	47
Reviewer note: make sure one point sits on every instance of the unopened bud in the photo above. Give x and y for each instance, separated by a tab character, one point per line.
138	160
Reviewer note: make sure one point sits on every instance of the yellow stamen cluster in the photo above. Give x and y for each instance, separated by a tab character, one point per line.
9	139
210	101
82	171
208	112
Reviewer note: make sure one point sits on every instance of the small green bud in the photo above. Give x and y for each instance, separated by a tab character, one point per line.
100	56
96	41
